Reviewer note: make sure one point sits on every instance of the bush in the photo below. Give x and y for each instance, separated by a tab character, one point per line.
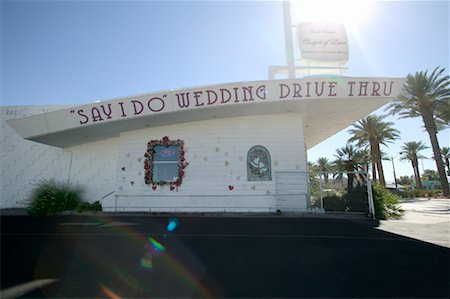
85	206
334	203
355	200
420	193
49	197
386	203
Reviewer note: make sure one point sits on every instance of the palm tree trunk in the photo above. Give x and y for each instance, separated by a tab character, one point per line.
373	159
430	126
415	166
381	173
447	163
374	172
380	166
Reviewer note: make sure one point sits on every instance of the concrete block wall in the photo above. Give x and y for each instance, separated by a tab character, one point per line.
24	162
216	151
94	166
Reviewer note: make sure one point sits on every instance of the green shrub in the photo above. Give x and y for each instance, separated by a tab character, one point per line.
434	193
386	203
86	206
334	203
357	200
49	197
418	193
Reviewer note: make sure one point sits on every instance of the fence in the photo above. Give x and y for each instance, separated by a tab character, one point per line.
348	192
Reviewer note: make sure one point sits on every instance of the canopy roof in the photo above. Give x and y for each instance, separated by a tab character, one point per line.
326	104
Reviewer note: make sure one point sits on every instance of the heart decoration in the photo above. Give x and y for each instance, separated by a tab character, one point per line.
139	159
123	168
227	163
253	188
172	188
154	187
230	187
132	183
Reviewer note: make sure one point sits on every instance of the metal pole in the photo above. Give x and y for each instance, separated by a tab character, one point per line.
289	48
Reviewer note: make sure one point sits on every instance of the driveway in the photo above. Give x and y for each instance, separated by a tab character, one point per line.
225	257
425	219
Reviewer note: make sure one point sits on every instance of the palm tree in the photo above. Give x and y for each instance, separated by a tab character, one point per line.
347	158
363	161
410	151
427	96
372	131
324	166
446	156
313	181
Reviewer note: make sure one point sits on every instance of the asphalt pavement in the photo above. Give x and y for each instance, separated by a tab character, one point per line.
227	257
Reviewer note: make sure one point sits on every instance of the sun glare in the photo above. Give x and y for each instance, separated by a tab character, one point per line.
350	13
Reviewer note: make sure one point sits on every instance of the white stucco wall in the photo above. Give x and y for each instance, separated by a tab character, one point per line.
216	151
24	162
112	170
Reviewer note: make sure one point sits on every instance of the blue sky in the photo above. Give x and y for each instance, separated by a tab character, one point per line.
76	52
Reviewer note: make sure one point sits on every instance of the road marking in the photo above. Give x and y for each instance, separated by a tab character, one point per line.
119	223
80	223
400	238
111	224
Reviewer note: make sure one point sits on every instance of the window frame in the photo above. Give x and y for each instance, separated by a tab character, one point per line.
150	162
251	177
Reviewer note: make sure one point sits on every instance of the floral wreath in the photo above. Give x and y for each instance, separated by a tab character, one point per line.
148	162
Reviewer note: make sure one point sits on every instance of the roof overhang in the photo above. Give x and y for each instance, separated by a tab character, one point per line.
327	105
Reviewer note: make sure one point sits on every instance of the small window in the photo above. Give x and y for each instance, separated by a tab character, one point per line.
164	162
258	164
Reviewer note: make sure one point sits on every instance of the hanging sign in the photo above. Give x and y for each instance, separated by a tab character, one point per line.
322	43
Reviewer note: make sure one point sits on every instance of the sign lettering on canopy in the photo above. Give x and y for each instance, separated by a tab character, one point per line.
234	94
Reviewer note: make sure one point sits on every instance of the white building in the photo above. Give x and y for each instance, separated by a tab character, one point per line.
238	147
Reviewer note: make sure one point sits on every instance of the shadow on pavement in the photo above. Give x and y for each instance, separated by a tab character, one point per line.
237	257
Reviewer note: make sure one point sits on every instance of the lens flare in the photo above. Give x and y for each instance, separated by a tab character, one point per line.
147	261
173	223
156	245
109	293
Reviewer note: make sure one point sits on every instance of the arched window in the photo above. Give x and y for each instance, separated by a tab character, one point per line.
259	166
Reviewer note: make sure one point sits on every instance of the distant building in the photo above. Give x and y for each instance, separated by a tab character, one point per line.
427	185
